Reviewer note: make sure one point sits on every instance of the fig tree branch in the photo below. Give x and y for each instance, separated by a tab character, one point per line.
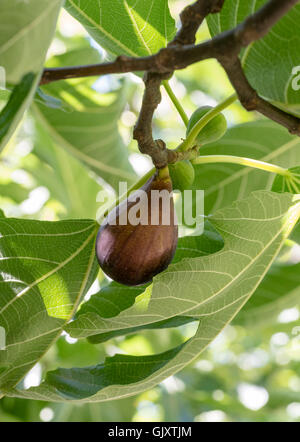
176	56
252	101
182	52
191	18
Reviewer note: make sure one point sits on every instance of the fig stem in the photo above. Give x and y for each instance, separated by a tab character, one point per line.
206	159
190	139
176	102
164	173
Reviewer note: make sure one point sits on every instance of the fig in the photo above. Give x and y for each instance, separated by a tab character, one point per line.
213	131
182	175
138	238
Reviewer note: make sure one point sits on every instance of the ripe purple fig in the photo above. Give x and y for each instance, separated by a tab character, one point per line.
138	238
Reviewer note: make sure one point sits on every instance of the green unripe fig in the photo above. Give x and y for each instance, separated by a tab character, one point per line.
213	131
182	175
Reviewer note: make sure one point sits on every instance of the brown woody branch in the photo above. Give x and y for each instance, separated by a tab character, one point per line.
181	52
191	18
179	57
252	101
164	61
143	128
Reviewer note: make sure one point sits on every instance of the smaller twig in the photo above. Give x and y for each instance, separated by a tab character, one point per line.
252	101
143	128
192	17
142	132
121	64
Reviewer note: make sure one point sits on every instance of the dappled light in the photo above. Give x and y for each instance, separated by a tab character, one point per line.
186	314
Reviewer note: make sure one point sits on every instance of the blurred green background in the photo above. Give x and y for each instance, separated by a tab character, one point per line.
246	374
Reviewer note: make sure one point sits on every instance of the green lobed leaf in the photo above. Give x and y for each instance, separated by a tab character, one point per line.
211	288
14	107
130	27
177	321
261	140
88	128
67	179
279	290
115	298
284	184
295	236
194	246
27	29
16	192
46	268
49	101
273	56
190	281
